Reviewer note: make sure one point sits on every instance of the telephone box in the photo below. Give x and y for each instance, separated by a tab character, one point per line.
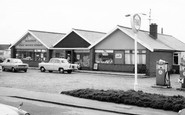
182	75
161	71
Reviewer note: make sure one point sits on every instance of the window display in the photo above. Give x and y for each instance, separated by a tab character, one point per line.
34	55
104	56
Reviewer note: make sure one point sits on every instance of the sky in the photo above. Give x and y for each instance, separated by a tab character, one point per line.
19	16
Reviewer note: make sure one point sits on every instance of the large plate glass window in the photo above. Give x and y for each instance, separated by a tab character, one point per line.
130	57
104	56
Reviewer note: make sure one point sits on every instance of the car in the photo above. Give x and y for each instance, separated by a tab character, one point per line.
14	65
58	64
10	110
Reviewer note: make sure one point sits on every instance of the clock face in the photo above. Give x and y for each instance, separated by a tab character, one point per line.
136	23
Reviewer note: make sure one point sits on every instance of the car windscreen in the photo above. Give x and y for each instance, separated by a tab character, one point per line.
16	61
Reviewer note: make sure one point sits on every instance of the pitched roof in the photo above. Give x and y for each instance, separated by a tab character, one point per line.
4	46
163	42
47	38
90	36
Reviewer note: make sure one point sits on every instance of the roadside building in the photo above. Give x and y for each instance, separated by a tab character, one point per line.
115	51
99	51
34	46
76	45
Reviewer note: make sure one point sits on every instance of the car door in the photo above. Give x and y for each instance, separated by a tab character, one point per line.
56	64
6	64
49	65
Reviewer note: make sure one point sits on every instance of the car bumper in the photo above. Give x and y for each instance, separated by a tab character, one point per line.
18	68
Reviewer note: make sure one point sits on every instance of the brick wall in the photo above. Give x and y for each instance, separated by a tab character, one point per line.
152	57
121	67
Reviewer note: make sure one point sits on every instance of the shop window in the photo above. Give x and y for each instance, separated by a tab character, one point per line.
104	56
130	57
34	55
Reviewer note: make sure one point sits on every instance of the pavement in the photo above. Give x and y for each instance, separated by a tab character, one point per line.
66	100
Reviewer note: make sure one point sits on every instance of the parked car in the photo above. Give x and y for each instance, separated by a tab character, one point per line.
10	110
58	64
14	65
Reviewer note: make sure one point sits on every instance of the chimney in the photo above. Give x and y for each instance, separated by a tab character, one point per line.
153	30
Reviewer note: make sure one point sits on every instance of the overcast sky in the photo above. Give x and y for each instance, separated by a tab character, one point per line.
18	16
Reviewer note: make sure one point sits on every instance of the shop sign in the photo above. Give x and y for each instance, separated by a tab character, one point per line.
118	55
136	23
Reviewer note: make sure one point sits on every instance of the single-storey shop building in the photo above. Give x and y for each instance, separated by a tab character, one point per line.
93	50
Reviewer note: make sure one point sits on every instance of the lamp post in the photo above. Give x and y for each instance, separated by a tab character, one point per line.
135	24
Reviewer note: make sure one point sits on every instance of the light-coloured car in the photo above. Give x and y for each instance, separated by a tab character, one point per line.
14	65
58	64
10	110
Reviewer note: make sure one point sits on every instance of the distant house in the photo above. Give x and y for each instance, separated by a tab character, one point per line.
4	51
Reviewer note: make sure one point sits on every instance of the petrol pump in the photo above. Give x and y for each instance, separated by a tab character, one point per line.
162	74
182	75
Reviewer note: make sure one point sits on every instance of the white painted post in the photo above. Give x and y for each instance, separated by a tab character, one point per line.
135	54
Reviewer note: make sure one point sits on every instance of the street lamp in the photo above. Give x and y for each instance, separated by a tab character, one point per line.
135	24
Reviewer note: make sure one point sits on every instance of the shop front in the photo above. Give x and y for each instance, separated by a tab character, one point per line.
82	57
35	47
120	60
30	51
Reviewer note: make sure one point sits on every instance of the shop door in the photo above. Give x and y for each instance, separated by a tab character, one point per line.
85	61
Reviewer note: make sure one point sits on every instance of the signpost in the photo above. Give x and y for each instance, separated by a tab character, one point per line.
135	24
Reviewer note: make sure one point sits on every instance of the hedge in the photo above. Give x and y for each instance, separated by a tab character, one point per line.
131	97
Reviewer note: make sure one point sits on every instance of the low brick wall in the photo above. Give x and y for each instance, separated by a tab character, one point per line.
121	68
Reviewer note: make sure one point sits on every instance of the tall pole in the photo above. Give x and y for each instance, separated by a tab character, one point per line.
135	54
135	23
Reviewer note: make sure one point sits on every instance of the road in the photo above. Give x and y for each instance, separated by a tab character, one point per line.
40	108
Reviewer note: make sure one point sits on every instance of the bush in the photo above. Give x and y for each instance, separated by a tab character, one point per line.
131	97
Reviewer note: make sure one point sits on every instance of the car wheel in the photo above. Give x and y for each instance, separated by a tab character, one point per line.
50	71
42	69
3	68
13	69
61	70
69	71
25	70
